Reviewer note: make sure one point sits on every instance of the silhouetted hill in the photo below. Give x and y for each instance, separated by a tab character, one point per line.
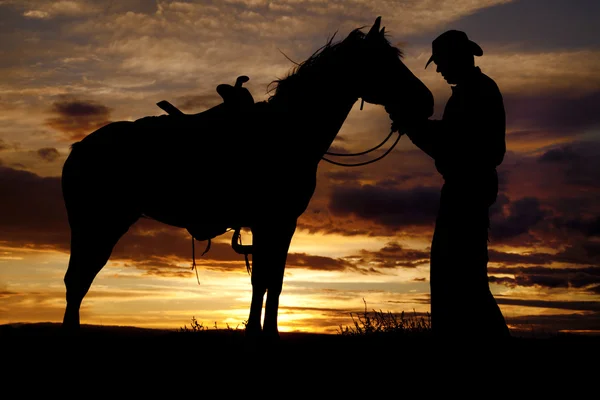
226	340
131	361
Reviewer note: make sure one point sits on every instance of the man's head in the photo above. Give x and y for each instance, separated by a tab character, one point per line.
453	53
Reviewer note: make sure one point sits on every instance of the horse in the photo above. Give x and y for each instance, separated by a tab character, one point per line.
188	170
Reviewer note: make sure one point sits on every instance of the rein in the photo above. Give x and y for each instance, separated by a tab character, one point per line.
365	152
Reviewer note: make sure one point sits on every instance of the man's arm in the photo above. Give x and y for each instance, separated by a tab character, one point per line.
472	135
424	134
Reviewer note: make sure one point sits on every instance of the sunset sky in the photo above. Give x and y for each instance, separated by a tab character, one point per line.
69	67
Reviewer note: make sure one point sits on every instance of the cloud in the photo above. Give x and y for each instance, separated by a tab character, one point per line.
39	9
547	277
31	210
393	256
577	162
197	103
77	118
555	114
303	260
389	207
584	252
49	154
36	14
505	258
538	73
344	176
571	322
521	216
553	304
535	24
4	145
589	227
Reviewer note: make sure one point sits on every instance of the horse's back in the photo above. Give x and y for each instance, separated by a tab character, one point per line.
175	168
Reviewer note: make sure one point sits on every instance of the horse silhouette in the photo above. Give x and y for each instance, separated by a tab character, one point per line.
190	170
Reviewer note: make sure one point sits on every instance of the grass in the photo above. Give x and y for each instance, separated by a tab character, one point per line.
196	326
369	323
366	325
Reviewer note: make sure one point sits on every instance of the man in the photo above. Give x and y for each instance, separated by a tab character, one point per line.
467	144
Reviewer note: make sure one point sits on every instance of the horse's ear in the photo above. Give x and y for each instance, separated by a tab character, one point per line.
382	32
375	28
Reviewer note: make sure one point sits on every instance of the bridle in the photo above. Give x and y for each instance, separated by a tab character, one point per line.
366	151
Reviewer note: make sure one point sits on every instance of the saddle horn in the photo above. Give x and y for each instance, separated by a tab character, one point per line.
241	80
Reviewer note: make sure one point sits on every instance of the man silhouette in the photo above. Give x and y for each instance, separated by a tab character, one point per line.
467	145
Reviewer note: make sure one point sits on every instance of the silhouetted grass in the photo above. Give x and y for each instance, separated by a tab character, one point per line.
369	323
365	324
196	326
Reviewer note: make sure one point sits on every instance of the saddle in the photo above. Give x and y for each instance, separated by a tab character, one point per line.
236	100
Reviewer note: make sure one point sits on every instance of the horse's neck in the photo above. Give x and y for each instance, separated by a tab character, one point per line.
317	121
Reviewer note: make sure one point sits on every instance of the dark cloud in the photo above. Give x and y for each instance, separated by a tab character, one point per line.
401	179
319	221
581	251
31	210
546	277
303	260
555	304
522	215
394	208
344	176
393	255
555	114
32	214
578	162
588	227
551	324
563	154
523	258
160	249
76	118
48	154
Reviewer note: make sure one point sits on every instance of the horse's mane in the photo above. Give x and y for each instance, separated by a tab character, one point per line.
320	60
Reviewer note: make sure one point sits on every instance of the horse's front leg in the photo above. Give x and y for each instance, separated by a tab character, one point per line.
270	245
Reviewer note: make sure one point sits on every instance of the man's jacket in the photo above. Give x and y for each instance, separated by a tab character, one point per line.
468	143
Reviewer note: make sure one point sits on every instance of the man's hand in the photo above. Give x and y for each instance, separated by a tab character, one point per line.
403	122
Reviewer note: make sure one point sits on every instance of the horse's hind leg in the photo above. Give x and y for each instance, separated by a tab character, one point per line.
91	247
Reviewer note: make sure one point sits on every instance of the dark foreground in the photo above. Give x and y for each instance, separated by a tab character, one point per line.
49	337
128	362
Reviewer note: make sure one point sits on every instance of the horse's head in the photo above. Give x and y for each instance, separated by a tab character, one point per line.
385	80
